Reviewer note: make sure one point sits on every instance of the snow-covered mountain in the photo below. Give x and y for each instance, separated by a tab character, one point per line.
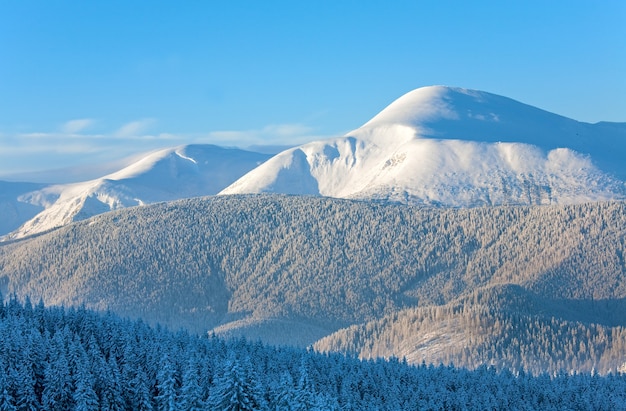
164	175
455	147
435	145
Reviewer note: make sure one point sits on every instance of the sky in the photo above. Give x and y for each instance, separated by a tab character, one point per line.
84	83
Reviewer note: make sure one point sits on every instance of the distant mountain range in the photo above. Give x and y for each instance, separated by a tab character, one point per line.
15	212
436	146
164	175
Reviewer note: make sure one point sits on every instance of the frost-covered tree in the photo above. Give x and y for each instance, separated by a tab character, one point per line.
236	389
58	387
87	347
85	398
305	397
7	402
140	397
167	385
26	381
112	394
191	393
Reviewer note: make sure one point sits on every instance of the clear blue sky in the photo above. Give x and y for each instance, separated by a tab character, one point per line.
89	81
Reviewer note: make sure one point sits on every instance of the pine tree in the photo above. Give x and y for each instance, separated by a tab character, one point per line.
25	390
304	395
85	398
57	392
140	397
112	398
284	393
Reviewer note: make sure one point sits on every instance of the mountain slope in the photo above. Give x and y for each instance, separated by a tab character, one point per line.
455	147
504	326
165	175
292	270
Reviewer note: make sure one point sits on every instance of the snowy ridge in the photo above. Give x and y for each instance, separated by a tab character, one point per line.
455	147
164	175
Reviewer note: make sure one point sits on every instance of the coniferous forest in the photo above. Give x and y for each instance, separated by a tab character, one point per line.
53	358
539	289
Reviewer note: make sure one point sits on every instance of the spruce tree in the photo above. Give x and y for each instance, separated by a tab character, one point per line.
7	402
191	391
85	398
57	391
166	385
236	389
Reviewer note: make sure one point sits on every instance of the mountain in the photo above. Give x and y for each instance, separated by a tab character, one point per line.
455	147
299	269
164	175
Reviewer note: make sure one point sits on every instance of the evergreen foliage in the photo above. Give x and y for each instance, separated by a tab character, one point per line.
238	375
503	327
292	270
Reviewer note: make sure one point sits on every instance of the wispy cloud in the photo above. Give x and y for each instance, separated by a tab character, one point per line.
273	134
134	128
75	143
76	126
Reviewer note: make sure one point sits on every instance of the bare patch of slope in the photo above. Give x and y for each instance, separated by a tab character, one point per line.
504	326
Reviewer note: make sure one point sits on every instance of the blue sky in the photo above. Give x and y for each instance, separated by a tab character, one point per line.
83	82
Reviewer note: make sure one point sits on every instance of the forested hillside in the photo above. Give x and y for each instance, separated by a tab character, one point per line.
504	328
56	359
295	269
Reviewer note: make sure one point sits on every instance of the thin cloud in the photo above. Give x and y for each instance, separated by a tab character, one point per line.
273	134
76	126
286	130
134	128
46	144
72	145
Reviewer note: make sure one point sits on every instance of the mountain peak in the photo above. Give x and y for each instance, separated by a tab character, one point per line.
423	104
455	147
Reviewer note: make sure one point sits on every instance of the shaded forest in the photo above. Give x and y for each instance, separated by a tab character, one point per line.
76	359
